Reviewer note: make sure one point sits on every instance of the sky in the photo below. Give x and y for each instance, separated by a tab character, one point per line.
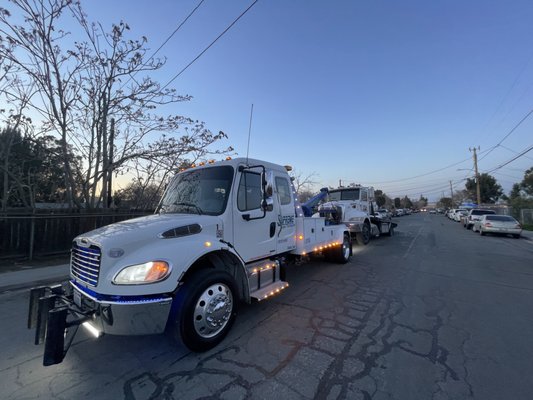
384	93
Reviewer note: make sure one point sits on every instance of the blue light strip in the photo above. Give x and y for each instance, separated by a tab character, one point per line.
106	298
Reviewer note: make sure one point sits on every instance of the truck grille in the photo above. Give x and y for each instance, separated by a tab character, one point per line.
85	263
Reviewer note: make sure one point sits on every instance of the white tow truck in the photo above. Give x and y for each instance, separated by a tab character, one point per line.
223	233
357	209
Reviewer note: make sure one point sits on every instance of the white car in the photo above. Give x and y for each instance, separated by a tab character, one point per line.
500	224
458	213
474	215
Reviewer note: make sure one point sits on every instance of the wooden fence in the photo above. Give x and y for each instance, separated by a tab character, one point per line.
37	235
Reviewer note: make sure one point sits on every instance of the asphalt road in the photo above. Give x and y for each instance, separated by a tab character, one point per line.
435	312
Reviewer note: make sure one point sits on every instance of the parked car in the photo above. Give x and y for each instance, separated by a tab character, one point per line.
385	213
399	212
451	213
433	211
458	213
500	224
474	215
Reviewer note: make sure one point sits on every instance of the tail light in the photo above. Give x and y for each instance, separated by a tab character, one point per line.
518	226
487	224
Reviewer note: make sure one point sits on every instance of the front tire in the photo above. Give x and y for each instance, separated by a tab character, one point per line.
206	307
363	237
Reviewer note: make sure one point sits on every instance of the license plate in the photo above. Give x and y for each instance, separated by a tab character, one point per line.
77	298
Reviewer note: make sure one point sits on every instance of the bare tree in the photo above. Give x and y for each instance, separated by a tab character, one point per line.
88	92
303	181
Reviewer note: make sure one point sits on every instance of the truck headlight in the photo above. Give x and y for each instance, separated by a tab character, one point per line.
150	272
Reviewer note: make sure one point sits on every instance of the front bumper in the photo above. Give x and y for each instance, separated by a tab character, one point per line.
123	315
354	227
55	312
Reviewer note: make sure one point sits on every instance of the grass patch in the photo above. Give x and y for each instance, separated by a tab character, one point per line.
527	227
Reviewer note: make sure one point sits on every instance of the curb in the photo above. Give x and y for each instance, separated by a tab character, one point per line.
29	285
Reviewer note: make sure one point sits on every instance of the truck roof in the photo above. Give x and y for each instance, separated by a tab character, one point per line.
235	162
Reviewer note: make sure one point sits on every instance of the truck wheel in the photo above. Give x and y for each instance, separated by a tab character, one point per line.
206	307
342	254
363	237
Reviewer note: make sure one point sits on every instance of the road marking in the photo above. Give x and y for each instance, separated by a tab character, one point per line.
413	242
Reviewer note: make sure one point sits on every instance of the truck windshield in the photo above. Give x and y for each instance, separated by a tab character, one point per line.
348	194
201	191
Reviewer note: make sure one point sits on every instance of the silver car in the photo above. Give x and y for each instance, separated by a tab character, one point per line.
501	224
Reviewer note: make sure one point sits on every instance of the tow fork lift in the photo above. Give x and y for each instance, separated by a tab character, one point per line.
50	307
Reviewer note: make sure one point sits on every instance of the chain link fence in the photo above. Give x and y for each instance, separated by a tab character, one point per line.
526	216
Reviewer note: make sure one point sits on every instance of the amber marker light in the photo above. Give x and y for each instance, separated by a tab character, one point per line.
157	271
208	244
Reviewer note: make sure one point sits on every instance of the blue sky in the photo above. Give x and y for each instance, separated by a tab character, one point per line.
363	91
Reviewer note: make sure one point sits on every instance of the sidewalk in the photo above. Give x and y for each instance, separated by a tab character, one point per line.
527	235
29	277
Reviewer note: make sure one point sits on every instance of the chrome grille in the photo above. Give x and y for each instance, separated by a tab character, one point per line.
85	263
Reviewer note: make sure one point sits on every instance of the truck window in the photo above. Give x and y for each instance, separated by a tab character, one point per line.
202	191
284	191
346	194
249	193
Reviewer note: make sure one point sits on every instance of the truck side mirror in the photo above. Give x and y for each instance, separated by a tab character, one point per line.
268	183
267	204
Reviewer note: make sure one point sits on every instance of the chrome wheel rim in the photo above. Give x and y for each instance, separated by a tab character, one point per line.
345	249
213	310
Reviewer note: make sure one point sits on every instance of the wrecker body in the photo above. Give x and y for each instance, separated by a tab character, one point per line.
223	233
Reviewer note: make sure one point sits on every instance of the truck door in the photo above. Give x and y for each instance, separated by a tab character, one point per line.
286	223
254	231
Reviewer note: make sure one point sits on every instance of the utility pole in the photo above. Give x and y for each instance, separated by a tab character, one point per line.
451	191
478	191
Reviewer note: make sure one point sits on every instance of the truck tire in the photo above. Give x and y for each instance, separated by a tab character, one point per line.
205	309
341	254
363	237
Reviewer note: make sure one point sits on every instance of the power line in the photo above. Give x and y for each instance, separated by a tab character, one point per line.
166	41
514	151
523	152
508	134
209	46
513	85
197	57
425	174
